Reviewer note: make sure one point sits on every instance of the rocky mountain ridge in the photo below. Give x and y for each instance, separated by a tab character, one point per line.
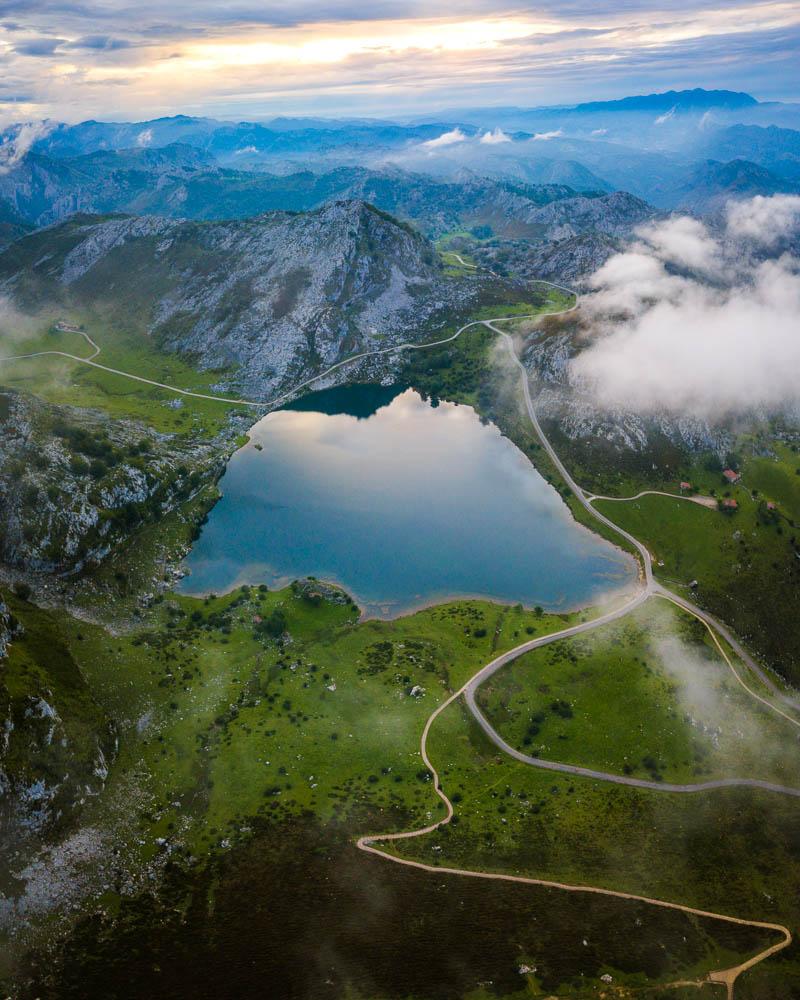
181	181
566	261
42	190
279	296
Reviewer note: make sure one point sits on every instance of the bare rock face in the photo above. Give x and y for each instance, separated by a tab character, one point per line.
8	628
613	214
74	483
55	743
278	296
568	261
304	290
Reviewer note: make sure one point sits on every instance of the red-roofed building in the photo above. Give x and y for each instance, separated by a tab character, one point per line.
730	504
731	476
686	486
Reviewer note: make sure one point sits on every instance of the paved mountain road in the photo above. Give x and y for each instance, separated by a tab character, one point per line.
648	588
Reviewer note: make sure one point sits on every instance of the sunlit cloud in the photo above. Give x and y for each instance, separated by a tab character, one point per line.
446	139
665	339
495	137
108	59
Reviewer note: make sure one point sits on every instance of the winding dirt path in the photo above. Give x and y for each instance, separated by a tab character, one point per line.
269	403
691	497
367	844
648	588
471	689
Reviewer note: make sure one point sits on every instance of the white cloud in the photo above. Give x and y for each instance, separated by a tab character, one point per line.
764	220
495	137
245	150
667	339
14	147
665	117
145	137
544	136
684	242
599	131
446	139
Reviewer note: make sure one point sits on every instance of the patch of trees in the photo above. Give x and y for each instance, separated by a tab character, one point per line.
273	626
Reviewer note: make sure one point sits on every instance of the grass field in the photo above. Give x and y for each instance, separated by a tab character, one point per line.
224	728
735	850
647	696
745	563
65	382
455	266
228	722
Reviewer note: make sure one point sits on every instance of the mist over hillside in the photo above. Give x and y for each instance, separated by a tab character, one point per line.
399	501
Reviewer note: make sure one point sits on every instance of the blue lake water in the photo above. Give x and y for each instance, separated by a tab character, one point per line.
403	502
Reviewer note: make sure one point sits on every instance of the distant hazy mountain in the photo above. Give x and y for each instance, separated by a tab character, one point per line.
42	190
710	185
679	100
93	136
12	225
279	295
667	149
181	181
777	149
242	142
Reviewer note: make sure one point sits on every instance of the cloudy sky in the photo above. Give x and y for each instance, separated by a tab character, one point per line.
71	60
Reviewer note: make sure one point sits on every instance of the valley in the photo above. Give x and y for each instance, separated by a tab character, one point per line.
177	809
398	557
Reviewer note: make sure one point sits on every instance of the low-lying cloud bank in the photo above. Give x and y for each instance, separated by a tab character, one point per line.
15	146
699	323
446	139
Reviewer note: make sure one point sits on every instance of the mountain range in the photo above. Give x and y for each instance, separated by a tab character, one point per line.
278	296
180	181
646	145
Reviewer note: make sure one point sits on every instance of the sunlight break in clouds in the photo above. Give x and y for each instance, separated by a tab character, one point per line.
104	58
669	339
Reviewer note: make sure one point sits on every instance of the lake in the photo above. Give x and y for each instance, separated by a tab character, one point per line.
403	501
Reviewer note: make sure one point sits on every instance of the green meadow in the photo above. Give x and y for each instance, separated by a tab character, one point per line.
648	696
221	719
275	708
126	348
745	563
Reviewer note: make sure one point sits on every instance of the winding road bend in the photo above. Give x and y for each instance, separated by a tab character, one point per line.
648	588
